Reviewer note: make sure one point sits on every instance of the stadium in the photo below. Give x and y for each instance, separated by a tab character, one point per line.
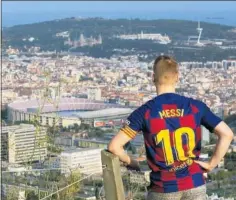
68	111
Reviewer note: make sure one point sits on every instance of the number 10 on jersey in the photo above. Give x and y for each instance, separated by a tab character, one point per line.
164	137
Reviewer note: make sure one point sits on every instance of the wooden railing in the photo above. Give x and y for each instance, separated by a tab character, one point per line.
112	180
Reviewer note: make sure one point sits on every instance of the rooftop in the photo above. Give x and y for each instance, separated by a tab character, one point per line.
105	113
64	104
79	150
94	141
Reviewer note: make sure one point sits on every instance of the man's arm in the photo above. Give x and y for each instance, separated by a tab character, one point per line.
225	137
134	124
116	146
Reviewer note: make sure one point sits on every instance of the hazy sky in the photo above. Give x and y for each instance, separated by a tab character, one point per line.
98	6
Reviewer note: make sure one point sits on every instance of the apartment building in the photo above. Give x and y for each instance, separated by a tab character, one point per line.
23	143
87	160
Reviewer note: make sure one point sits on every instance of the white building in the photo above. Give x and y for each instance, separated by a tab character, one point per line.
205	135
162	39
204	156
18	169
215	64
141	178
87	160
25	143
94	94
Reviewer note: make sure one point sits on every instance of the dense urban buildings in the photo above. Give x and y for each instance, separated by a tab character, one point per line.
97	94
114	81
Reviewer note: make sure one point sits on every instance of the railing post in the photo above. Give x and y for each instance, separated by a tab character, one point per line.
113	185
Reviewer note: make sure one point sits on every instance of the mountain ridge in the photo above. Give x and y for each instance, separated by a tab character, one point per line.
45	32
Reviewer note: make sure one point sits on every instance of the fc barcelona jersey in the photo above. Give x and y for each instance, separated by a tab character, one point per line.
171	126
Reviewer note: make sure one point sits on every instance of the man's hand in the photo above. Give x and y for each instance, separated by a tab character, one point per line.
205	165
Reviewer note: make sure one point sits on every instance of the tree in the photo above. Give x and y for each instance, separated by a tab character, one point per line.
84	126
63	129
97	192
53	175
12	193
99	132
52	130
76	127
68	193
221	177
230	119
4	113
91	134
230	166
213	139
31	196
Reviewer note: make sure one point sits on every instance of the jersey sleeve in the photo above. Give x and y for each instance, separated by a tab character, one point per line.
209	119
135	122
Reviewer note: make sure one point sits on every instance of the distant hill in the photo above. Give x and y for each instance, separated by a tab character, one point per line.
176	29
44	34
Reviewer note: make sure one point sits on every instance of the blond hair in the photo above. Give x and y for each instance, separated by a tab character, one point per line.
165	70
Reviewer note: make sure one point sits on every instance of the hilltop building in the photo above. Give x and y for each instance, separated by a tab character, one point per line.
83	41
